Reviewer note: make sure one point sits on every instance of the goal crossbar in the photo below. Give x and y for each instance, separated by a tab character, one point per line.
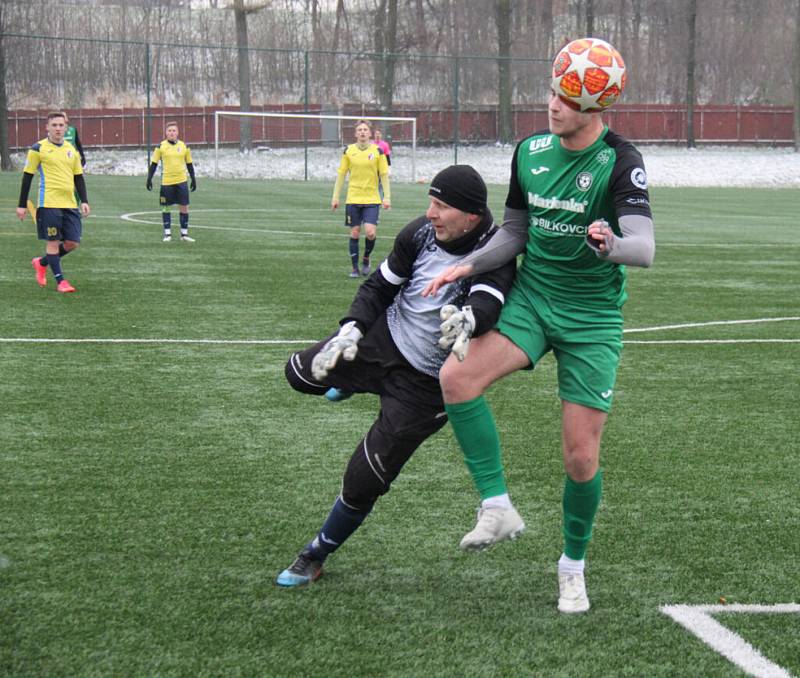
312	116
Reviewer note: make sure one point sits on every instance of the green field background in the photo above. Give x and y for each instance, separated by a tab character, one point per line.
151	491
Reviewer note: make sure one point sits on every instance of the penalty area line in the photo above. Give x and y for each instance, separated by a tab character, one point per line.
698	620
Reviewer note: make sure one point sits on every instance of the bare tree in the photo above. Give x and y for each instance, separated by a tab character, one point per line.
502	15
797	80
5	156
691	25
241	12
390	58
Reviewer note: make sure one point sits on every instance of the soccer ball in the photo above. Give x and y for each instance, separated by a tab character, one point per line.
588	75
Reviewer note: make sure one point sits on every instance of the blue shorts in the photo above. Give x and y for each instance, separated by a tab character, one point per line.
58	223
355	215
174	194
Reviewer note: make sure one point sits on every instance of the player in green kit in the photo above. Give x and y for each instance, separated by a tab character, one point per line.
578	208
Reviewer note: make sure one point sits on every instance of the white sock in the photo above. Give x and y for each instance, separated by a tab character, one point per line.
500	501
567	565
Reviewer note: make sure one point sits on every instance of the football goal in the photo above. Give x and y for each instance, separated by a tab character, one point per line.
304	145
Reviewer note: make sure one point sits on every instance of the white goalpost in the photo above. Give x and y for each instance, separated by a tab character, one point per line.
317	138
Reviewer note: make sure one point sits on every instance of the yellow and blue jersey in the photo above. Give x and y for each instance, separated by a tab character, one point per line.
366	167
57	166
173	158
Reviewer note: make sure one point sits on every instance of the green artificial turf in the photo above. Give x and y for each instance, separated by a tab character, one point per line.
151	490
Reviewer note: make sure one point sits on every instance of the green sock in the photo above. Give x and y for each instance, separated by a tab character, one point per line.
580	505
475	430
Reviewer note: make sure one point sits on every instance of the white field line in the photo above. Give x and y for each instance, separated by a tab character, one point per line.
286	342
154	219
751	321
278	342
698	620
263	342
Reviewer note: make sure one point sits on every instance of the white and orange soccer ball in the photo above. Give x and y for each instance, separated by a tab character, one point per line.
589	75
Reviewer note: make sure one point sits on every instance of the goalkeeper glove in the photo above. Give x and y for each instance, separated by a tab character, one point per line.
149	183
193	185
344	344
457	328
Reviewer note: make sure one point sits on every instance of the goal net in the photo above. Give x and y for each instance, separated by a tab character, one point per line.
303	146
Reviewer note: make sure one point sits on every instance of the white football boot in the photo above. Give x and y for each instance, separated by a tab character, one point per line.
572	596
494	525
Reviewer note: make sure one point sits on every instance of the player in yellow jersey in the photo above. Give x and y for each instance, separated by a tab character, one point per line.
176	160
366	164
58	217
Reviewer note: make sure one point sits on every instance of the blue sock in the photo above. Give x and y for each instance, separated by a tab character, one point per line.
184	223
55	266
62	252
166	218
369	245
341	522
354	253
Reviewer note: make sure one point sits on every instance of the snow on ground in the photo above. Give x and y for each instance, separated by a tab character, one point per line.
666	166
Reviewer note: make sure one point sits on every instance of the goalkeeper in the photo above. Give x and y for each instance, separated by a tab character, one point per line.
393	341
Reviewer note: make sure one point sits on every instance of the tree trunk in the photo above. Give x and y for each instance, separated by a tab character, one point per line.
503	18
379	31
240	12
589	9
5	155
797	81
390	44
690	70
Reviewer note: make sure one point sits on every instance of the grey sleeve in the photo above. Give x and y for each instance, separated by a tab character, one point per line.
509	241
637	246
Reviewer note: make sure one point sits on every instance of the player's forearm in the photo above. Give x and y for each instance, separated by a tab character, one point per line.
637	246
152	170
190	169
80	186
337	187
25	189
387	192
504	245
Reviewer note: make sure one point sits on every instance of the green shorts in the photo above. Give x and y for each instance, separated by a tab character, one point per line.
587	344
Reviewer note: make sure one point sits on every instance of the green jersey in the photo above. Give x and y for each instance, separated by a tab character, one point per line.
564	192
71	135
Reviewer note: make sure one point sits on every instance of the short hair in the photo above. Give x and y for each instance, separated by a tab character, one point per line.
56	114
363	122
171	123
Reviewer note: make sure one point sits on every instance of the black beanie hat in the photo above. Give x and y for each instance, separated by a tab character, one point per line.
460	186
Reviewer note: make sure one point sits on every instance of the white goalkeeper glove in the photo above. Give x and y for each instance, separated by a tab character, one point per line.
457	328
344	344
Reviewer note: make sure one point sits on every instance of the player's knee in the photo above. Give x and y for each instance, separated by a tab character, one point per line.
299	377
455	382
70	245
361	488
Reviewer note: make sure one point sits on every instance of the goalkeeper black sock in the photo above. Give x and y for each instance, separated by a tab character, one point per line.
341	522
354	253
